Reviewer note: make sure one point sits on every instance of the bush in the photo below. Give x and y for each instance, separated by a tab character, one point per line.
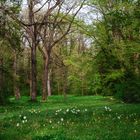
4	95
132	92
128	90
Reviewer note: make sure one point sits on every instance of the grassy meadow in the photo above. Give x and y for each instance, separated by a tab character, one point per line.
77	118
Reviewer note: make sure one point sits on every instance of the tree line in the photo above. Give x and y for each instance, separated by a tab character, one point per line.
47	49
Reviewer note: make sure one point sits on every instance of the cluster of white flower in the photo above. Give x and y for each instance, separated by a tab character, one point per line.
57	111
72	110
24	119
34	111
108	109
76	110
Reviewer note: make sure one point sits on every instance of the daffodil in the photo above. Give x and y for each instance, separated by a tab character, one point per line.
17	124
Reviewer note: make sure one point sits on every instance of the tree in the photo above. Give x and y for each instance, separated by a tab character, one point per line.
116	41
10	39
51	34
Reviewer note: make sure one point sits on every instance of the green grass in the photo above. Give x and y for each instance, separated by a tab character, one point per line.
78	118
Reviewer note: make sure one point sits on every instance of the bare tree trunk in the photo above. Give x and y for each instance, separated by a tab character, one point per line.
33	73
29	82
65	83
58	87
82	85
1	79
44	90
46	87
33	35
15	76
49	84
45	78
1	73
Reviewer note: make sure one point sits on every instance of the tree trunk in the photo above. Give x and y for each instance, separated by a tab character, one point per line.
46	84
49	84
1	74
58	87
82	85
65	83
1	80
33	73
15	77
32	31
29	72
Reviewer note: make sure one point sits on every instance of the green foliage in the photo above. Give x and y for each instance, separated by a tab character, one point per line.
116	40
131	92
10	45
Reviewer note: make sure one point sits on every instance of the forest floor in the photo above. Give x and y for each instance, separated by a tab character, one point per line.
78	118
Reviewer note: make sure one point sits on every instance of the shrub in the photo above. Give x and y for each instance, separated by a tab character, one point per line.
132	92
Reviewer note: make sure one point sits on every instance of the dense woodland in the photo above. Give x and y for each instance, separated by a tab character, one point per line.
53	48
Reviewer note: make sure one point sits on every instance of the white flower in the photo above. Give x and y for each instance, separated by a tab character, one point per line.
62	119
85	109
72	111
17	124
55	113
78	110
50	121
106	107
24	117
119	117
67	110
23	121
20	116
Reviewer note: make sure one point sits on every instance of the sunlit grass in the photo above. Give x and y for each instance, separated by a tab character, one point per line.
78	118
